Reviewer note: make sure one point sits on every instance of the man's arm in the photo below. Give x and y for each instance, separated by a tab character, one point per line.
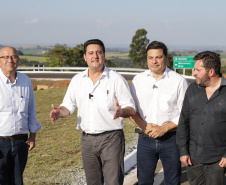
57	113
123	112
31	141
137	120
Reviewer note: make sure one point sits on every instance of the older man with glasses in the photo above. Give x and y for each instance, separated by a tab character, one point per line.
17	117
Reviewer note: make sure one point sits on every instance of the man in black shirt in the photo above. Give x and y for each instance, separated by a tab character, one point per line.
201	132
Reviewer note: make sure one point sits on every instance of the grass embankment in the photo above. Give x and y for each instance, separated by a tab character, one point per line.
110	55
40	59
57	153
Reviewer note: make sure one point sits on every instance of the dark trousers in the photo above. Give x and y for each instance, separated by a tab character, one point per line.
149	151
103	158
13	159
205	174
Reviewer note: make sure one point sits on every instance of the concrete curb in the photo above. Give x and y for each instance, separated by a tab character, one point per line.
130	161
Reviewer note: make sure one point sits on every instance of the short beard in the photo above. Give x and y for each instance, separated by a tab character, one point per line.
204	81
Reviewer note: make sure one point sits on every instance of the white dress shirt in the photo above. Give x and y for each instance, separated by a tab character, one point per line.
17	106
96	103
159	101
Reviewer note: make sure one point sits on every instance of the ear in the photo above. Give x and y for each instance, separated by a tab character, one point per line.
211	72
84	55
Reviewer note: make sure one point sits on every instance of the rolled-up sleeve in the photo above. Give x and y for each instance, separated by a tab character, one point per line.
123	95
180	99
69	101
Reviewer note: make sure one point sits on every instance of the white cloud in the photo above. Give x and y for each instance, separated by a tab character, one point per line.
32	21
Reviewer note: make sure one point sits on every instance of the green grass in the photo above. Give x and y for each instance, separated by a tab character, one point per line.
58	151
223	61
42	59
110	55
34	58
33	51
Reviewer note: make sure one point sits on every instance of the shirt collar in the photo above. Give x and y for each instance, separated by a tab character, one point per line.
105	72
5	79
223	81
165	74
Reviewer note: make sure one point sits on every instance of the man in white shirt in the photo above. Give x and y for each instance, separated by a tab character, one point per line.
103	98
158	94
17	117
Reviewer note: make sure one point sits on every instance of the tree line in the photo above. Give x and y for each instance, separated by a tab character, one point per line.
61	55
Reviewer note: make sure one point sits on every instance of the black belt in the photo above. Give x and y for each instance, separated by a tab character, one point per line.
14	137
102	133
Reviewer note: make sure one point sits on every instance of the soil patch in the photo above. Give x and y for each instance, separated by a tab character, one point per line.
49	83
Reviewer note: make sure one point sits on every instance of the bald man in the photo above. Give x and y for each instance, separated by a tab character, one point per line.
17	118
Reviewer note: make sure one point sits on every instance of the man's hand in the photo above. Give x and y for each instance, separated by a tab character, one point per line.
148	128
118	111
31	141
55	114
223	162
156	131
186	160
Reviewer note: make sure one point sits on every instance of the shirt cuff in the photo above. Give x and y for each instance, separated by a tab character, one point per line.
70	108
128	105
184	151
176	120
33	128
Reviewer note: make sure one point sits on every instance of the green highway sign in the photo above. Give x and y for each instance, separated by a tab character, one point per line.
183	62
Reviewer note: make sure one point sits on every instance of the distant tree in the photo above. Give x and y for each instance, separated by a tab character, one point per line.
109	63
218	51
20	52
61	55
58	56
76	56
138	48
25	62
169	63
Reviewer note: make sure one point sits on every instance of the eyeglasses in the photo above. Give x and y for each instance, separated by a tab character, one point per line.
13	57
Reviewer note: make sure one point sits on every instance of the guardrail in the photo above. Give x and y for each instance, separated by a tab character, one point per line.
39	68
43	69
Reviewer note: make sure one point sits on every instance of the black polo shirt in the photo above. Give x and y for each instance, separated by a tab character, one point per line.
201	132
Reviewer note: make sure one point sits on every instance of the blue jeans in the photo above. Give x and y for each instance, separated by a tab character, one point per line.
149	150
13	159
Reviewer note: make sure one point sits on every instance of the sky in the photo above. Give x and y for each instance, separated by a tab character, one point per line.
177	23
